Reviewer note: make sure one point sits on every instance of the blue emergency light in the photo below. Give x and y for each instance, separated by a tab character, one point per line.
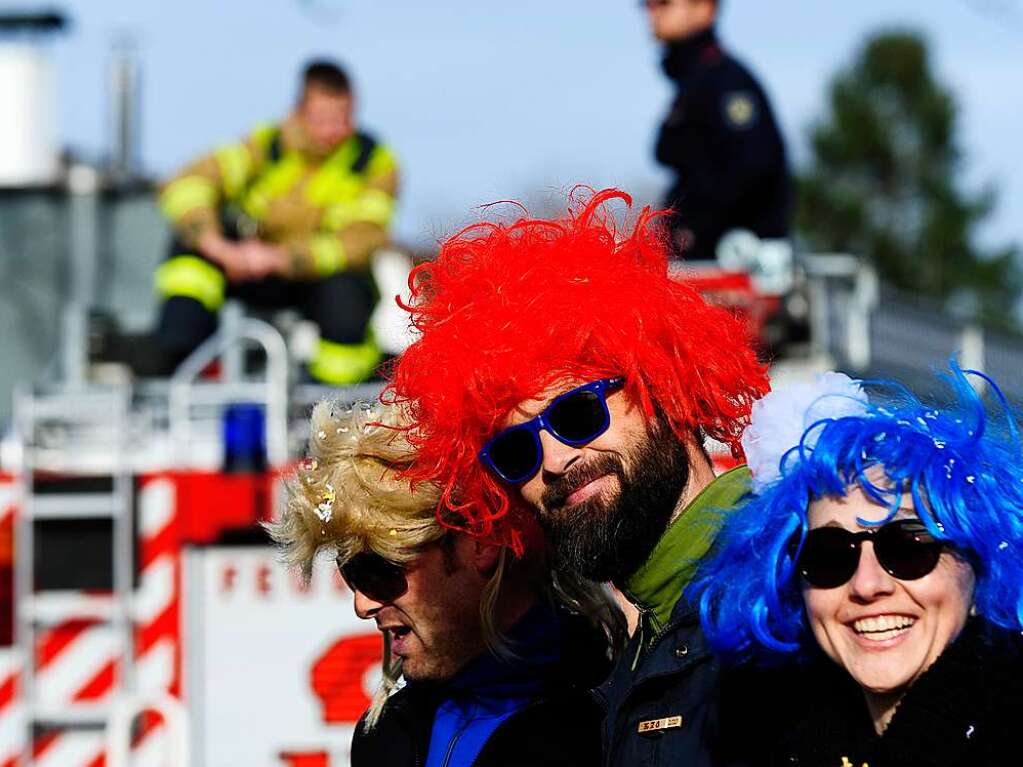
244	429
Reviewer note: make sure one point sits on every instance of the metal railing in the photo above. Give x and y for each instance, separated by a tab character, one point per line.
188	394
873	330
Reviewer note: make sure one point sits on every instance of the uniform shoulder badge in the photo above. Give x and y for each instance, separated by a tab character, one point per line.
740	109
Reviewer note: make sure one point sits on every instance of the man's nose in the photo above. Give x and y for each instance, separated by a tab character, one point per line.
365	607
870	581
557	456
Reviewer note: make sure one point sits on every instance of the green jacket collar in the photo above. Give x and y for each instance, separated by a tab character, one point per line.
659	582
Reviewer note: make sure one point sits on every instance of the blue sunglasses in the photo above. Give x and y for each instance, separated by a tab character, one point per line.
574	418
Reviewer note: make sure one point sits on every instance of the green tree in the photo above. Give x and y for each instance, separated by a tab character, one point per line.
884	182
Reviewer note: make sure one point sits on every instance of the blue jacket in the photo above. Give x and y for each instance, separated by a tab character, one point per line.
488	691
534	711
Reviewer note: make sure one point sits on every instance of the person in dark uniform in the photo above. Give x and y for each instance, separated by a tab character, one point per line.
720	136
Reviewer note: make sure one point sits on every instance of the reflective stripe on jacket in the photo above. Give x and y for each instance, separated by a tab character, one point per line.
330	212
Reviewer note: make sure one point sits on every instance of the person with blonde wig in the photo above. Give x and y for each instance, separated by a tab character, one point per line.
496	651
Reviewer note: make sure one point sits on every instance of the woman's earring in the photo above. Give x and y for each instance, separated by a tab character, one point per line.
973	611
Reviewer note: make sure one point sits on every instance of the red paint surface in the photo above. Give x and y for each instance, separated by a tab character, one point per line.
337	677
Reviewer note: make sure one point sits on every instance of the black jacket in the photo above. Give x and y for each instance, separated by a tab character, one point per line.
965	711
721	139
563	728
664	711
560	728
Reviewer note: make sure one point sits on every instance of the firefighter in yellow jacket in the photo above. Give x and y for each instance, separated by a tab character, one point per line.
290	216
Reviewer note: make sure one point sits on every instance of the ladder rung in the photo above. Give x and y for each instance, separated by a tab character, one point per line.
76	715
80	458
72	506
57	606
221	394
83	408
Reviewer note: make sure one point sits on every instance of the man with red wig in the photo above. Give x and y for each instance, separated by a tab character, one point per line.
560	369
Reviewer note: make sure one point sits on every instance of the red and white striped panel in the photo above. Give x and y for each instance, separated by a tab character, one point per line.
157	610
88	748
77	665
158	600
13	726
157	619
77	662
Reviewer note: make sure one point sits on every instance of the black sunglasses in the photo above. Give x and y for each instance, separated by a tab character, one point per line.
904	548
574	418
375	577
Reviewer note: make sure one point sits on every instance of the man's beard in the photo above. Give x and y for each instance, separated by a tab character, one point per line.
445	653
607	540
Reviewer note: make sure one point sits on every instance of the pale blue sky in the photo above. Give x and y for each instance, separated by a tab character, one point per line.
486	100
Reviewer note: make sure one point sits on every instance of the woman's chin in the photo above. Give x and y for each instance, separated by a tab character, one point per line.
884	689
881	673
878	679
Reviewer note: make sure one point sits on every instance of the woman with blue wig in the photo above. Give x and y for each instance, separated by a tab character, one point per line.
877	573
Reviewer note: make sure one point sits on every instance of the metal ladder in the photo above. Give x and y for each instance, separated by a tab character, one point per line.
78	433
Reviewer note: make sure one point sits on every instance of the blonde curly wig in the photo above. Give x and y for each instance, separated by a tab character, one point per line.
348	497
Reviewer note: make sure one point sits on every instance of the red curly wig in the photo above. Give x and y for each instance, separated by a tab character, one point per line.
505	311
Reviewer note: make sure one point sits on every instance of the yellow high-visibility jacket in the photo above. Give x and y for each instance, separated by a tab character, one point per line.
330	211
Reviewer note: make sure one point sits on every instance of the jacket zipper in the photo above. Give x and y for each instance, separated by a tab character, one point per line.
420	757
657	637
671	626
453	742
644	611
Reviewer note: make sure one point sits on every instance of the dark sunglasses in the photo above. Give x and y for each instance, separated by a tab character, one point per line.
375	577
574	418
651	4
904	548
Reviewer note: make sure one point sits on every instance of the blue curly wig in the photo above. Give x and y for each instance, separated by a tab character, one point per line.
962	466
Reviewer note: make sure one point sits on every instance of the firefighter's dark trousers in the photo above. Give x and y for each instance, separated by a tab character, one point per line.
194	288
